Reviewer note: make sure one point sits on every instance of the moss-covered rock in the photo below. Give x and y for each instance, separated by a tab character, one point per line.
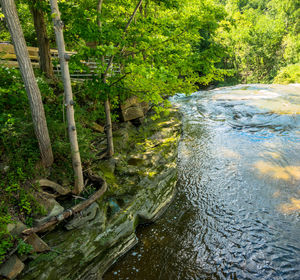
141	179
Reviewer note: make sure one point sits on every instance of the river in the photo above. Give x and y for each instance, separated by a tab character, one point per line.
237	211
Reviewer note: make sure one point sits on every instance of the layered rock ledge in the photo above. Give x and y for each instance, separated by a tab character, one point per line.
141	182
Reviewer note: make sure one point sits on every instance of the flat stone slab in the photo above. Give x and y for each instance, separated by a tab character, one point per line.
11	268
38	245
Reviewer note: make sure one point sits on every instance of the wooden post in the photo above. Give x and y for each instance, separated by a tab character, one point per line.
32	89
63	58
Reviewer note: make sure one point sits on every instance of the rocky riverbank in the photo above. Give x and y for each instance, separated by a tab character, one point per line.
141	182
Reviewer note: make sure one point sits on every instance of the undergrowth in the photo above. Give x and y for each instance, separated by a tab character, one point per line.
19	152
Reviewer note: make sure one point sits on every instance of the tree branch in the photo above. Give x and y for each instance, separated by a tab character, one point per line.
124	34
132	17
156	47
120	79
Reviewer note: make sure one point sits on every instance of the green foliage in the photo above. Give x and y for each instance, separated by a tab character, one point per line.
18	155
168	48
5	244
6	239
4	34
288	75
261	37
23	248
26	23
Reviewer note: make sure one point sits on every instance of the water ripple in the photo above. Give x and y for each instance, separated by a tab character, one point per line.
236	215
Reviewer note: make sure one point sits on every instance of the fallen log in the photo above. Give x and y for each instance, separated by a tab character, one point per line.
68	213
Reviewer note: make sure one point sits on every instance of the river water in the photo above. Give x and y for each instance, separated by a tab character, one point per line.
237	211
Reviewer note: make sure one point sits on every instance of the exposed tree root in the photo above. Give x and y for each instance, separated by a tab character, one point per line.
68	213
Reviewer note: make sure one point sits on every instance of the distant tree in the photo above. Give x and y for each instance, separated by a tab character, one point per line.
261	37
33	92
109	135
36	8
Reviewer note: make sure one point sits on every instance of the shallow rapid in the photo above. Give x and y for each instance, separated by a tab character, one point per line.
237	211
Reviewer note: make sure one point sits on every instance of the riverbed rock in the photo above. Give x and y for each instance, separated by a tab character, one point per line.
11	268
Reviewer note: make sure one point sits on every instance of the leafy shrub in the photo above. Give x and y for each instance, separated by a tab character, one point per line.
23	247
18	154
288	75
6	240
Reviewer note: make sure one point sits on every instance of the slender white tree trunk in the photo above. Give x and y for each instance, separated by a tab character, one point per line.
63	58
32	89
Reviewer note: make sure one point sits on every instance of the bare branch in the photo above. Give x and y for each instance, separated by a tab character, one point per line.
120	79
125	32
132	17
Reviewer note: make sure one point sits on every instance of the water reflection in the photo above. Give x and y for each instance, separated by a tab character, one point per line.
236	215
288	173
292	206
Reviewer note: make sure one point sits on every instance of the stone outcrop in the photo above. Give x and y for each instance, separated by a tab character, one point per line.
86	216
141	184
52	207
134	109
37	244
11	268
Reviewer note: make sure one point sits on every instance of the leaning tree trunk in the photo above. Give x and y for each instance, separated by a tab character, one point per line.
43	40
33	92
108	125
63	58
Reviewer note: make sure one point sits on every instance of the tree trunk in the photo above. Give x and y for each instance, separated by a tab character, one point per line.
43	40
33	92
63	58
109	135
99	9
108	129
108	126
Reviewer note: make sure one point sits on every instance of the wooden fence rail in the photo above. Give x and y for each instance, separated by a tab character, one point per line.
8	58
